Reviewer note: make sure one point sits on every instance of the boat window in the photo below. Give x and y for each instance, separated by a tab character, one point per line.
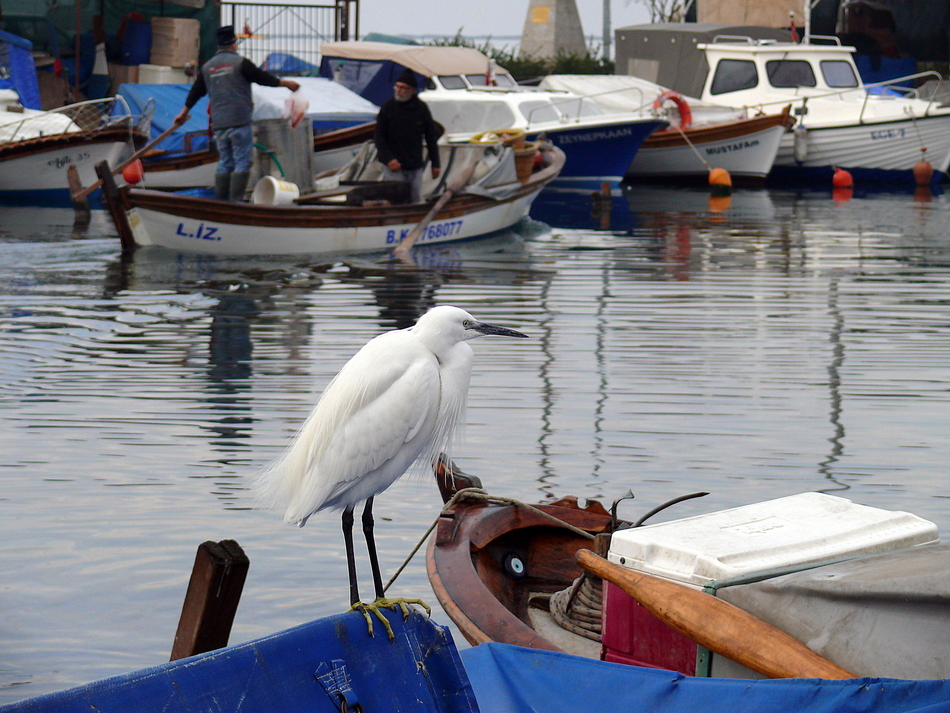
790	73
466	117
476	80
505	80
838	73
733	75
538	110
452	82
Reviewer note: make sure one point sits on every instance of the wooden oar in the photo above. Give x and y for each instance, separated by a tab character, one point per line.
79	197
405	245
716	624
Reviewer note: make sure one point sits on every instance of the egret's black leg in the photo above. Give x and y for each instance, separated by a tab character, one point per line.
350	556
371	546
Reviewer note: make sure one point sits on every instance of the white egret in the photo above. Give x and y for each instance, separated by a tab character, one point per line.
398	398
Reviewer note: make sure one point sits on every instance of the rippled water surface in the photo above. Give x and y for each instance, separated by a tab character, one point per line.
787	343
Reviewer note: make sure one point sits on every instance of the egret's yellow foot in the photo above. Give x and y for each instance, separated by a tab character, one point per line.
384	603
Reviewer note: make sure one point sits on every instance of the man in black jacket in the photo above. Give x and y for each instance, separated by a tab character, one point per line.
401	125
226	78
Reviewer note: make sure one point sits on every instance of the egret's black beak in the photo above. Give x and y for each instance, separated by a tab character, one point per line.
483	328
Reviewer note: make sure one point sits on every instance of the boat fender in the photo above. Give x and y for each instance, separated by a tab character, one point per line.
801	143
686	114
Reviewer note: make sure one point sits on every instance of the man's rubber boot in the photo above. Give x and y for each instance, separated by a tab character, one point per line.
238	186
222	186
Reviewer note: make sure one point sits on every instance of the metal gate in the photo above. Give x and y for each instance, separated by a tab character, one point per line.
298	30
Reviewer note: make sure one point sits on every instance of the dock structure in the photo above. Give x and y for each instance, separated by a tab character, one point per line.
552	27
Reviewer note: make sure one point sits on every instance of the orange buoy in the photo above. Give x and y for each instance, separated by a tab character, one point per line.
134	172
842	179
686	114
720	182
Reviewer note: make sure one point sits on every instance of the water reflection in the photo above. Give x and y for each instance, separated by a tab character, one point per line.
785	342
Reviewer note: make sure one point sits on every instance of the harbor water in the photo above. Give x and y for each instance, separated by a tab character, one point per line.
783	343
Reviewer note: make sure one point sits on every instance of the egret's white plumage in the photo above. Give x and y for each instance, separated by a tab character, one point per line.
400	397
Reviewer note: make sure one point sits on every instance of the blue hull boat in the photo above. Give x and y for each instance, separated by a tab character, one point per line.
333	665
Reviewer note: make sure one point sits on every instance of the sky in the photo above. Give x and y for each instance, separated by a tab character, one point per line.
479	18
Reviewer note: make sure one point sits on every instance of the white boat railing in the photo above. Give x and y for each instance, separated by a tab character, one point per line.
86	116
906	93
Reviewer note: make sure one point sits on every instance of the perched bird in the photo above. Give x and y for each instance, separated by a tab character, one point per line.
397	399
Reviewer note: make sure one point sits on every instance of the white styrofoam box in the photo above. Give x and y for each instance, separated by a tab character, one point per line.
160	74
785	532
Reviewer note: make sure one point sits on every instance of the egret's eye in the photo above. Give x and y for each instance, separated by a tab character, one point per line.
466	323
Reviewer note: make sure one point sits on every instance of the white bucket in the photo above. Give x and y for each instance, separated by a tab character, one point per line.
273	191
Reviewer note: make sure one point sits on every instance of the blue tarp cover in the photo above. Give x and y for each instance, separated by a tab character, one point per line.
308	668
510	679
17	69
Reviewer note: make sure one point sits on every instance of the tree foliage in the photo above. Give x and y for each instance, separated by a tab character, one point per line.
525	68
666	10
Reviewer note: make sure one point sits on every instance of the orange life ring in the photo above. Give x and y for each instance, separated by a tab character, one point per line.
686	116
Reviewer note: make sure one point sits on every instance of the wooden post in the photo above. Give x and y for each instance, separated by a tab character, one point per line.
80	201
214	591
112	197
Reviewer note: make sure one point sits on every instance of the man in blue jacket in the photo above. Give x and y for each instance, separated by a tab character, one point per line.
401	125
226	78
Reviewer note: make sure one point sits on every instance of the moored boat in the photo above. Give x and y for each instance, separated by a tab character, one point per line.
333	665
470	95
358	213
877	132
38	147
700	135
827	572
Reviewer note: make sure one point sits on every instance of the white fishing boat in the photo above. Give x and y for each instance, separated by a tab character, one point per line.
482	190
877	132
38	147
469	95
700	136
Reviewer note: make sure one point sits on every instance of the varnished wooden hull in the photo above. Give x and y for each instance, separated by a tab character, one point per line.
469	564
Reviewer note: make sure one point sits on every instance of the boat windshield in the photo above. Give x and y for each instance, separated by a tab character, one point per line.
838	73
469	117
539	110
451	81
733	75
790	73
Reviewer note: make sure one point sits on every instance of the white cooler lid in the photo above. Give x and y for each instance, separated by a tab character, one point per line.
785	532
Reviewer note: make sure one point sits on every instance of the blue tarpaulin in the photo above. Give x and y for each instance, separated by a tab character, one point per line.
510	679
17	69
312	668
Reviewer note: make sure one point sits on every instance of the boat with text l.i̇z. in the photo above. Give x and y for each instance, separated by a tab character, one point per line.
483	189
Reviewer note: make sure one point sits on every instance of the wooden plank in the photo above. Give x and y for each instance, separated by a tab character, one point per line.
112	197
211	602
716	624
